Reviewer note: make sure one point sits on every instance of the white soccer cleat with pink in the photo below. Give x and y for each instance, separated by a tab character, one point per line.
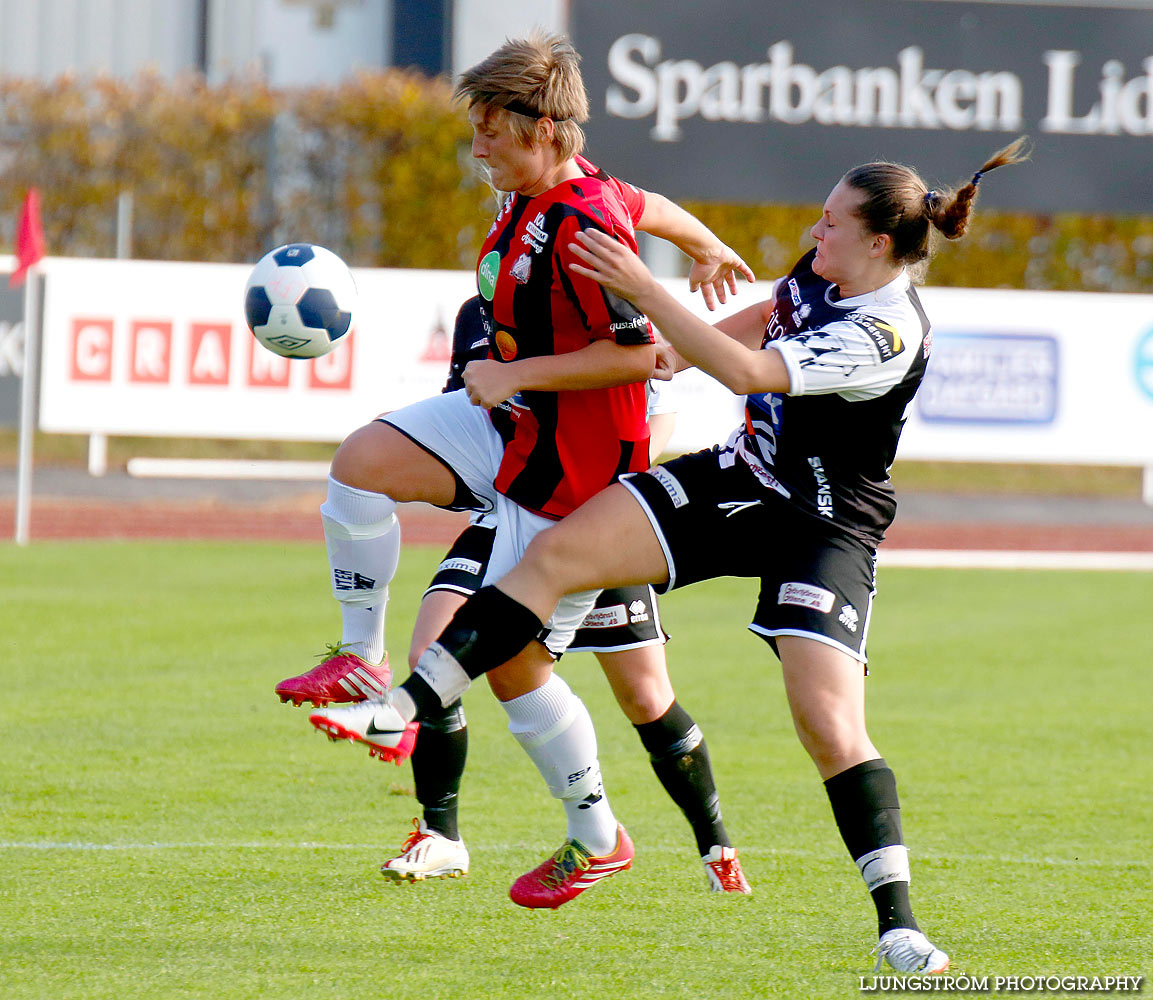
374	723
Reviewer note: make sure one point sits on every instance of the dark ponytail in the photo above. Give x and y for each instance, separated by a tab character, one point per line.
898	203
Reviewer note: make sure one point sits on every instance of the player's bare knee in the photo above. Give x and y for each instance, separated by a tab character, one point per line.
641	706
356	463
550	555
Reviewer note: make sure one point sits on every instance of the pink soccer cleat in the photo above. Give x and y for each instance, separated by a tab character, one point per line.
374	723
341	677
568	873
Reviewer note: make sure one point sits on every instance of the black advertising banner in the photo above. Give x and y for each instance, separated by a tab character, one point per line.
773	101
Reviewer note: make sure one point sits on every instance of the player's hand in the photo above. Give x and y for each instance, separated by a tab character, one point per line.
489	383
667	362
716	276
611	264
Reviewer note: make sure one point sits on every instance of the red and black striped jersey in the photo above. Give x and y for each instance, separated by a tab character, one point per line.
567	446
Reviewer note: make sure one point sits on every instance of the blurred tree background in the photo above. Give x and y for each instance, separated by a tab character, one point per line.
378	169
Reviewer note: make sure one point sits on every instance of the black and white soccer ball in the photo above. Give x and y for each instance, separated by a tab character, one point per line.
299	300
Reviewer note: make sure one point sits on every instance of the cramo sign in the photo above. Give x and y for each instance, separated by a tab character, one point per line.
907	95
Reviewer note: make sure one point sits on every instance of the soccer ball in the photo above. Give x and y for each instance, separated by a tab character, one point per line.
299	300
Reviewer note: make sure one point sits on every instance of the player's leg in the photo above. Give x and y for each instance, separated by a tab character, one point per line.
435	849
826	691
554	728
608	541
434	451
678	754
625	634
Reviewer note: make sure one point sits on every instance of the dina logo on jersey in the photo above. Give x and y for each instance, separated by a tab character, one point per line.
486	273
883	335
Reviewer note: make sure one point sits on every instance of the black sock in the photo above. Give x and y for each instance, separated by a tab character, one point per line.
680	759
489	629
868	814
438	766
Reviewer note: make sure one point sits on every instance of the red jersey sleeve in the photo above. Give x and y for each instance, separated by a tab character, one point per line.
629	195
607	316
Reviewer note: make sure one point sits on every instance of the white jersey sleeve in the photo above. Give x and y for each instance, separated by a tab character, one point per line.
859	357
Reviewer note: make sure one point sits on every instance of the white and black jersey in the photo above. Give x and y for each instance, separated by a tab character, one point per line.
854	365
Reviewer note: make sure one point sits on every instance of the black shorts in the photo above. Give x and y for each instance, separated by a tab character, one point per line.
624	618
713	518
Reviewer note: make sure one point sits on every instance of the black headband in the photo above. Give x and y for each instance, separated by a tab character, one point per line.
520	108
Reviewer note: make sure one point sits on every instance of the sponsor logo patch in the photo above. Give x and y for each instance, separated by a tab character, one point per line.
671	484
346	579
506	344
824	493
486	273
636	323
883	335
612	617
470	566
849	617
805	595
638	612
536	228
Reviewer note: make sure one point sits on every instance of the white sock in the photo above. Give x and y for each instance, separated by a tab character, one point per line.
362	535
556	731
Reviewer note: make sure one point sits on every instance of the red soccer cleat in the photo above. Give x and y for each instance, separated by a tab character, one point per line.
342	677
723	870
568	873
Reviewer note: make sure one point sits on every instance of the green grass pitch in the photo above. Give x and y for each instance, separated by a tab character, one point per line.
169	829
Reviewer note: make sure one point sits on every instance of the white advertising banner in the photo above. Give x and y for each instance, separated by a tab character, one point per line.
162	349
1018	376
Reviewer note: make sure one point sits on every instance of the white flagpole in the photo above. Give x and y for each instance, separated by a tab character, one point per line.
27	403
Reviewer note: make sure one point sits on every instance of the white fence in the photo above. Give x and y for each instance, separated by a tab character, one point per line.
151	348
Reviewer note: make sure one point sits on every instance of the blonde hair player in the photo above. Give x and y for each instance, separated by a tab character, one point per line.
570	361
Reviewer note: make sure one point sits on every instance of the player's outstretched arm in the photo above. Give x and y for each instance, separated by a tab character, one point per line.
731	355
715	265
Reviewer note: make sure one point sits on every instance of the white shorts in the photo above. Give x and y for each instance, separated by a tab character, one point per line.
461	436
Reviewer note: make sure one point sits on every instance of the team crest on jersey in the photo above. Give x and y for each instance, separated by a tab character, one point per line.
521	268
506	344
883	335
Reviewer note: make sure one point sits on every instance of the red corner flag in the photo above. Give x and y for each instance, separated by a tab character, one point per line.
29	238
